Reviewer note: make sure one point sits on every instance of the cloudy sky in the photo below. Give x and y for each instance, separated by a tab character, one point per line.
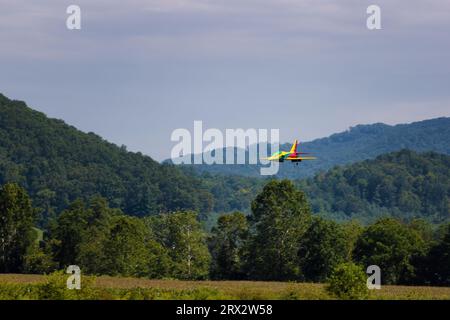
139	69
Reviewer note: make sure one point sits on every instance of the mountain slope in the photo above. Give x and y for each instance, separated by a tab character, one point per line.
57	163
404	184
358	143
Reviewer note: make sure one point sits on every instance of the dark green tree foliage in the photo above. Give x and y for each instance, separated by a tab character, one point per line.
323	246
435	267
102	240
227	246
17	235
403	184
392	246
184	239
352	230
131	250
80	224
58	164
230	192
280	217
278	241
425	229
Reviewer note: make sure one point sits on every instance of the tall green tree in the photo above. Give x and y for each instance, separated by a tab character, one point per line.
227	245
322	248
130	250
182	236
17	218
80	227
67	233
280	217
352	230
392	246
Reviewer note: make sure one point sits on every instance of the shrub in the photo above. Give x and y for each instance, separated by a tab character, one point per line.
38	262
348	281
55	288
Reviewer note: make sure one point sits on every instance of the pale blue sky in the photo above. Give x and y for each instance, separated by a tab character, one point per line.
140	69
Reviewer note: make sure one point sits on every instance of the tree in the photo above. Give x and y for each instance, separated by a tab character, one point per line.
17	235
390	245
226	246
43	199
182	236
423	228
348	281
130	250
352	230
78	231
91	250
67	233
437	262
38	261
102	240
280	216
322	248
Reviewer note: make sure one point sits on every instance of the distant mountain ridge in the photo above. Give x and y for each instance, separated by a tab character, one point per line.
359	143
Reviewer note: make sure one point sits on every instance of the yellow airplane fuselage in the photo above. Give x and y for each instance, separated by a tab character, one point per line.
292	155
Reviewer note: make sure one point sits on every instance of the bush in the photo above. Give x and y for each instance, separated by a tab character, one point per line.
38	262
16	291
348	281
55	288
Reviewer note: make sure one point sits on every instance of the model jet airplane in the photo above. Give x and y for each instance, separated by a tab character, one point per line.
293	155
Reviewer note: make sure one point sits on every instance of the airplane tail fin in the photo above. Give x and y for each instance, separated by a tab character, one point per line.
294	147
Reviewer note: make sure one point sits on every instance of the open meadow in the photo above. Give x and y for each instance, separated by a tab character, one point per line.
18	286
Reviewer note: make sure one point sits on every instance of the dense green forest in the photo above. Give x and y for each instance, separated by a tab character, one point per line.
356	144
279	240
403	184
68	197
57	164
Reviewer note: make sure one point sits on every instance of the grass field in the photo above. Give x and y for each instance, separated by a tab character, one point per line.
15	286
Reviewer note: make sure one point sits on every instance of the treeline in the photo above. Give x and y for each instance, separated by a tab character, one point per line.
279	240
402	184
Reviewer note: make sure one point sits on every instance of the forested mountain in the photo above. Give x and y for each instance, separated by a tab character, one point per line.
402	184
358	143
56	164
